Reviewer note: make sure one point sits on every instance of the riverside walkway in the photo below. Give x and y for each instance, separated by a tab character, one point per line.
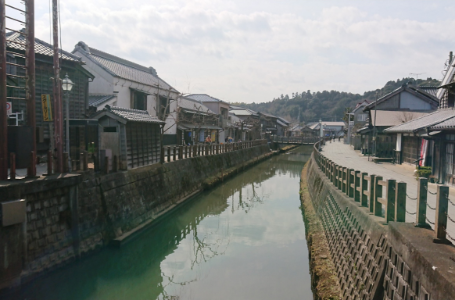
344	155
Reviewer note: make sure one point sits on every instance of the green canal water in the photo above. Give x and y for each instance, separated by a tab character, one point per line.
244	239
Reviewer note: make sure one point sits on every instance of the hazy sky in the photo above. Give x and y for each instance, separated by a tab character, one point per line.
254	50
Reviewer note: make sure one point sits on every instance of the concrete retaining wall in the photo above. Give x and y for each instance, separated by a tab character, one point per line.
70	216
374	260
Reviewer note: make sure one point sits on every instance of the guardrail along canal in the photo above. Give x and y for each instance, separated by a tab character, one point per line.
244	239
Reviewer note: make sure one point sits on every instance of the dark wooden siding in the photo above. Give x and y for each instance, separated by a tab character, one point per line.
143	144
411	149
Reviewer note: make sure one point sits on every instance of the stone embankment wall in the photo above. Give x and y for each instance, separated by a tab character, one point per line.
373	259
71	215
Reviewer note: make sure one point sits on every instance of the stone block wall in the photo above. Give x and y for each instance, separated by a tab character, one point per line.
69	216
374	260
134	197
49	235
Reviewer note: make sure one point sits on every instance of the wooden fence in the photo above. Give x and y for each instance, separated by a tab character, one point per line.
376	194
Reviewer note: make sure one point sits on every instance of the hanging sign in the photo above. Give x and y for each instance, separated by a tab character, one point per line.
47	107
9	108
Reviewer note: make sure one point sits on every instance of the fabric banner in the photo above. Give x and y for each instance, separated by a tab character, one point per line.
423	152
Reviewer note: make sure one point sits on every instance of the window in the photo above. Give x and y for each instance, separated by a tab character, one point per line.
163	105
138	100
362	117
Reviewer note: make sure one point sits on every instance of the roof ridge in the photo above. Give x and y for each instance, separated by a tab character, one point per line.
119	60
130	109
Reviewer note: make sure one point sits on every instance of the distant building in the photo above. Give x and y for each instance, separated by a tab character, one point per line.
357	119
219	107
195	122
330	129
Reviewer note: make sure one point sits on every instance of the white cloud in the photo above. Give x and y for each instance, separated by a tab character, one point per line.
255	55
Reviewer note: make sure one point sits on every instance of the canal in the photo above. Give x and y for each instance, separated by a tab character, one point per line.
244	239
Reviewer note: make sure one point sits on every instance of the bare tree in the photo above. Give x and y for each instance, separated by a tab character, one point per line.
407	116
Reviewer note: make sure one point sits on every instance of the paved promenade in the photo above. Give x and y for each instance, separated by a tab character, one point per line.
344	155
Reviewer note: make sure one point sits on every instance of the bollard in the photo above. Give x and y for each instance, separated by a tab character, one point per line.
363	189
371	193
390	198
66	163
198	150
421	209
357	191
12	160
180	152
186	151
194	150
400	202
106	165
85	161
377	206
442	209
115	164
162	155
49	163
352	179
168	154
174	153
31	170
343	181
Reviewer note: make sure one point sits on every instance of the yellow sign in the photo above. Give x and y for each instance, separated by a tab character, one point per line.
47	107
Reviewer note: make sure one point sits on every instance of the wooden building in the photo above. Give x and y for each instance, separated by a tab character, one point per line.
133	135
78	97
195	122
400	106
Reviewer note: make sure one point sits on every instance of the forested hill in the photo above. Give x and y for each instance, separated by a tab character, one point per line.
328	106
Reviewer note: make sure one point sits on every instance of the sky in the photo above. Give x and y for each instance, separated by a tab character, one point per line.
256	50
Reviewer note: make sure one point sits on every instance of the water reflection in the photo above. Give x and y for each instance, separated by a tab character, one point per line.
244	240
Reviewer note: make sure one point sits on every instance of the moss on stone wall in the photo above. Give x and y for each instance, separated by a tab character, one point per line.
324	279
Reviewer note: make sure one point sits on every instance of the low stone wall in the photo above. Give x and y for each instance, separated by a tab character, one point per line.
72	215
376	260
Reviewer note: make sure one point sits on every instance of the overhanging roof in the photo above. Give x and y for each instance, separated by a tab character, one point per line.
428	120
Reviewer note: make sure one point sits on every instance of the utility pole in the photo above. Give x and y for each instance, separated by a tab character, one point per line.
58	122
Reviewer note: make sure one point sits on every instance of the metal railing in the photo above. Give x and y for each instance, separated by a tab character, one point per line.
368	190
295	140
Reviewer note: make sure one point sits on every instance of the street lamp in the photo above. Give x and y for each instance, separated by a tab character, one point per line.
67	85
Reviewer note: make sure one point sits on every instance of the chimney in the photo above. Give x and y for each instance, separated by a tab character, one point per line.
450	57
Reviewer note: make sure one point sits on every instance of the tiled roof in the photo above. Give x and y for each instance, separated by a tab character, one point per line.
97	100
268	115
316	125
123	68
243	112
427	120
133	115
432	90
193	105
284	121
385	118
282	124
447	124
16	41
204	98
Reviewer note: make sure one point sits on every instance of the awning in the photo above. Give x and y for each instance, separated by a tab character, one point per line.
89	122
140	91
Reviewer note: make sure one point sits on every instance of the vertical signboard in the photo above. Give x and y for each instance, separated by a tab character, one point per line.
47	108
9	108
